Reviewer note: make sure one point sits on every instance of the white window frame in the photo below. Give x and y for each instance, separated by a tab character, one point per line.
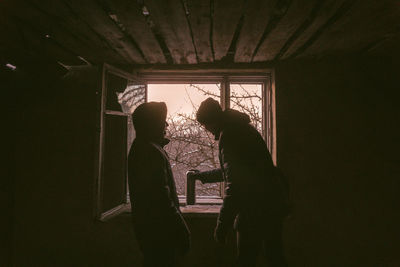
265	77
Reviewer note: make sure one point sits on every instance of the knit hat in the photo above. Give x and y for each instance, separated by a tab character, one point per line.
149	118
208	111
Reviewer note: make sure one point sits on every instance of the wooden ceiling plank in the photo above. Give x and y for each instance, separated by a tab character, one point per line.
170	21
387	43
200	23
130	15
11	38
38	28
257	16
328	9
298	11
90	12
227	14
365	23
37	43
25	42
65	27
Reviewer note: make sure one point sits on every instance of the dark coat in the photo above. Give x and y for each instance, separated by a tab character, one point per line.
155	207
253	193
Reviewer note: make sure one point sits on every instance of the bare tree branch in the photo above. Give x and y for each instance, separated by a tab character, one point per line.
192	147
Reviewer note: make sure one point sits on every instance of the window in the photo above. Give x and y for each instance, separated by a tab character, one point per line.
118	96
192	147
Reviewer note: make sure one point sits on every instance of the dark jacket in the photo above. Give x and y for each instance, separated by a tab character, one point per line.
155	207
252	192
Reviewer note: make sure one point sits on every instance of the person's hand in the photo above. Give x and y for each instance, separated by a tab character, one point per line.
195	174
220	234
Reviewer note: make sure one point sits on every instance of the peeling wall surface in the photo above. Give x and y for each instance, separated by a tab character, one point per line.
337	140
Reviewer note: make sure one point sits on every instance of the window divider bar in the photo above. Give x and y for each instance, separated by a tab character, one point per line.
225	93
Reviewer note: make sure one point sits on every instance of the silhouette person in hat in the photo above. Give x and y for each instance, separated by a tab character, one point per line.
160	229
254	202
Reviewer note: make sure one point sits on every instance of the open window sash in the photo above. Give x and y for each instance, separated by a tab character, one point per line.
120	94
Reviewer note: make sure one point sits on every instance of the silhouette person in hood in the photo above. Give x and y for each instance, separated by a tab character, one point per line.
160	229
253	202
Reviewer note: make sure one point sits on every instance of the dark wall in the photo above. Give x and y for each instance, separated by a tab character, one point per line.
54	223
338	141
55	150
8	176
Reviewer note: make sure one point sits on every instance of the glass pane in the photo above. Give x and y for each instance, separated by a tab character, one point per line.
133	95
114	85
191	147
114	162
124	95
247	98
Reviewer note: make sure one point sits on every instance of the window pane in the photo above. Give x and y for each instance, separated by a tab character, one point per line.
124	95
247	98
133	95
191	147
113	180
114	86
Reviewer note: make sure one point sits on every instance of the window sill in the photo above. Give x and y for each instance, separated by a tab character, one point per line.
195	211
206	208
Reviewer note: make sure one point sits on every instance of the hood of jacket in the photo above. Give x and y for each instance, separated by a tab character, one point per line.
149	122
234	117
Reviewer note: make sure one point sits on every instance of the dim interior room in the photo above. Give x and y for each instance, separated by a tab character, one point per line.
319	80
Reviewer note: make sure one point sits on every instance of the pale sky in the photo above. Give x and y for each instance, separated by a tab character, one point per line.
176	96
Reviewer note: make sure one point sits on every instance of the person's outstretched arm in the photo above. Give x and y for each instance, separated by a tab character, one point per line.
212	176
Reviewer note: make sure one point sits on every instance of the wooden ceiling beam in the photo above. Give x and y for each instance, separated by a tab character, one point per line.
226	17
328	13
230	55
188	20
114	18
129	15
41	34
90	12
66	27
360	29
257	17
199	19
37	42
300	30
172	28
11	42
282	28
